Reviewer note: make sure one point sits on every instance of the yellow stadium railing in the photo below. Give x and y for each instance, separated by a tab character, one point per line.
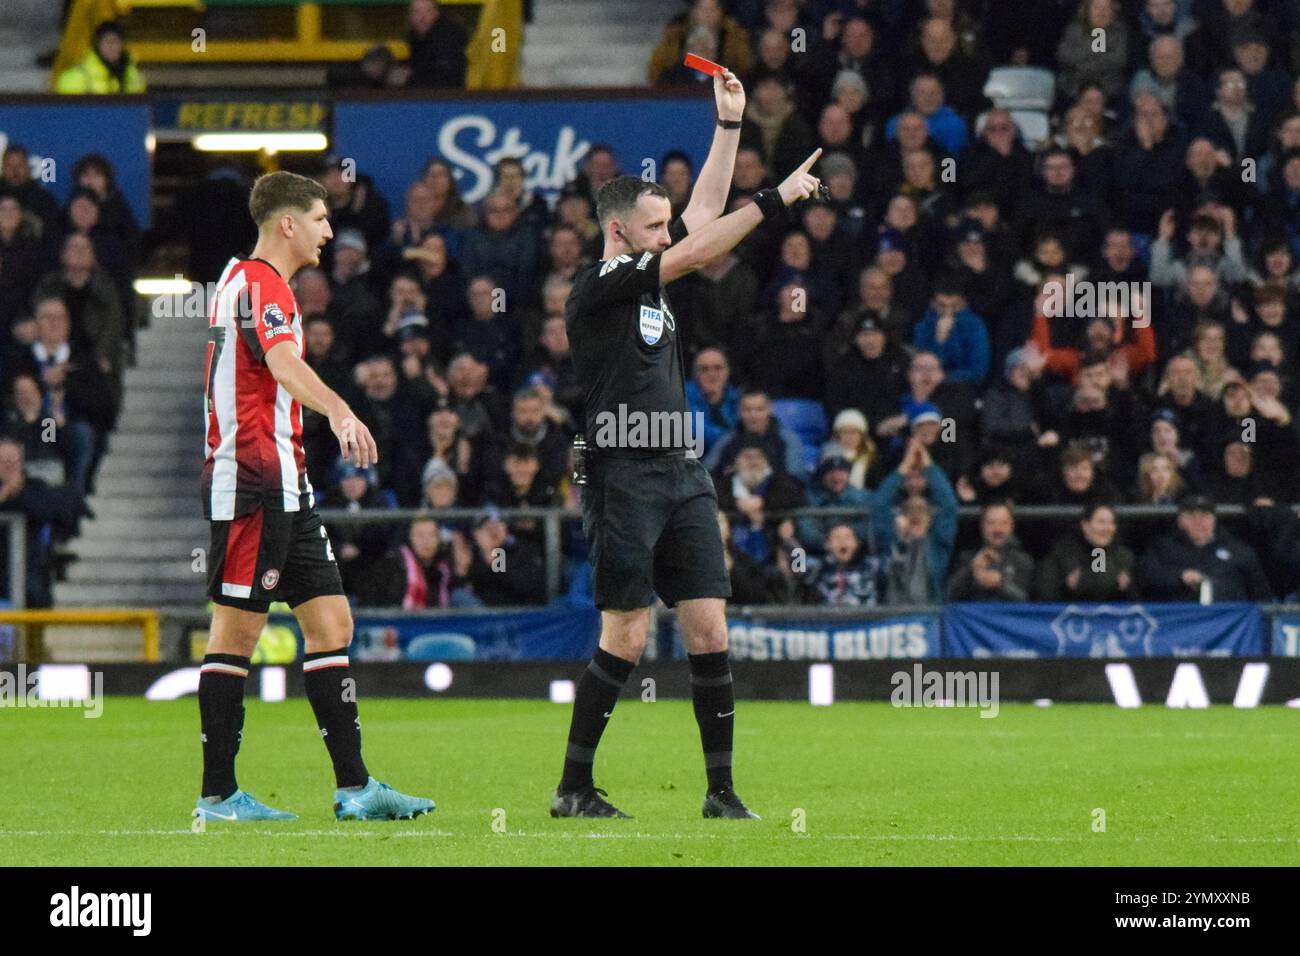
32	626
493	51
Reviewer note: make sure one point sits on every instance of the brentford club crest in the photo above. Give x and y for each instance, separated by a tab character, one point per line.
270	579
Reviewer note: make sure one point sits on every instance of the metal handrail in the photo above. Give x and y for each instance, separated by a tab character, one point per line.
17	530
551	519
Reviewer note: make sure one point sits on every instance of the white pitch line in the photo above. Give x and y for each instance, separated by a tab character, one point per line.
216	830
638	835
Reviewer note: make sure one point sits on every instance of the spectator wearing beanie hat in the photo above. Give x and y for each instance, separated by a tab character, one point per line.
356	546
851	439
1178	565
832	489
870	373
994	477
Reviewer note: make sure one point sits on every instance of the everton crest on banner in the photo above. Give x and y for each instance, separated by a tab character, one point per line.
1103	630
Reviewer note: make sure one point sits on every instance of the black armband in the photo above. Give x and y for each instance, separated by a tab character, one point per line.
729	124
769	203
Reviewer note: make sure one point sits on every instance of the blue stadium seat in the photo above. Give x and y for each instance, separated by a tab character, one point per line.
805	418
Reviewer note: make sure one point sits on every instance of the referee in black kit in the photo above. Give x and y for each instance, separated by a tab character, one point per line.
649	509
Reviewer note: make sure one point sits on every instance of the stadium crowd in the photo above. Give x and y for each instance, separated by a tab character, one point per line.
894	350
68	308
914	343
899	349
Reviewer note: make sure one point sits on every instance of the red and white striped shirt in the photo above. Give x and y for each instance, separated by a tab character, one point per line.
254	426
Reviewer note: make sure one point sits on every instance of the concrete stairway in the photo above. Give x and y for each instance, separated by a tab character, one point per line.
592	42
139	549
27	28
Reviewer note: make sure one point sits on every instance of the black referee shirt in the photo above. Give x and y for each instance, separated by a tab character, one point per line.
626	350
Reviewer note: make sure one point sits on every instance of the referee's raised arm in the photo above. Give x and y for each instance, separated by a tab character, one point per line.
709	197
723	235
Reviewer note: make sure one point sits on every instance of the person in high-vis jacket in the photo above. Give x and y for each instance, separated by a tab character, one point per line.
106	68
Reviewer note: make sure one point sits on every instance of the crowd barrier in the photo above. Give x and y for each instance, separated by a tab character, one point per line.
564	630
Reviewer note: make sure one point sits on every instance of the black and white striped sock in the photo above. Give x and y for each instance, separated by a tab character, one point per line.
332	691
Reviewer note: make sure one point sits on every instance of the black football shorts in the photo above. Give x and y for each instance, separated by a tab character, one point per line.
270	556
652	527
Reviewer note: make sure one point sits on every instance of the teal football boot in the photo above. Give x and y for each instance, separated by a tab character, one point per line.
378	801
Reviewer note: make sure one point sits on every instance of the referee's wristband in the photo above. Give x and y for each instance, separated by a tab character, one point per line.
769	203
729	124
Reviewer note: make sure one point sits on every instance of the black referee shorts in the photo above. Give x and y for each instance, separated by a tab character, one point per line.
270	556
652	526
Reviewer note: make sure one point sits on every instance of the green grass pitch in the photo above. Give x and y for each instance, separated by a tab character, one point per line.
871	785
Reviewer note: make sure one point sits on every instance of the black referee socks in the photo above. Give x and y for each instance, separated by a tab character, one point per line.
333	695
593	703
221	719
715	712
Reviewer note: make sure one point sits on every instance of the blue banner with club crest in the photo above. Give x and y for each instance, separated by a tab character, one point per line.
1103	630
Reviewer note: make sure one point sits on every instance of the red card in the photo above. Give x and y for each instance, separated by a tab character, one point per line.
707	67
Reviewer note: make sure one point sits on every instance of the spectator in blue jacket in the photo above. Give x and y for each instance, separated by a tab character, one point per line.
917	533
711	394
832	489
956	334
945	126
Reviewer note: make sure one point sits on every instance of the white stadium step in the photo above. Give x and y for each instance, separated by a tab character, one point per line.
575	13
67	594
593	33
590	43
170	444
613	53
164	528
148	402
169	379
126	485
138	571
123	464
158	506
96	547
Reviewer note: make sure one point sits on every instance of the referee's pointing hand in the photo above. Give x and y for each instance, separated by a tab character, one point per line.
801	184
